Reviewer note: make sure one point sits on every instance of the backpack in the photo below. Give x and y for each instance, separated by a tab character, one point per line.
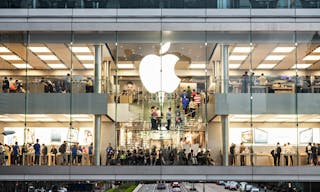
272	152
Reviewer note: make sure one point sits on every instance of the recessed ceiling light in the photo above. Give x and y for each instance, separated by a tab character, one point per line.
237	57
125	66
10	57
280	120
40	49
81	119
197	66
312	57
317	50
88	66
77	115
313	120
242	49
22	66
283	49
274	57
301	66
86	57
234	66
58	66
48	57
80	49
239	120
8	119
285	116
266	66
4	50
48	119
244	116
35	115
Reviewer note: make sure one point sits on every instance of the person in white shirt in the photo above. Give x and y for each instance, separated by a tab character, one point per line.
262	80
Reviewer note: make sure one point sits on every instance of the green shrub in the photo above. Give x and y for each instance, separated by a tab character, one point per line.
127	187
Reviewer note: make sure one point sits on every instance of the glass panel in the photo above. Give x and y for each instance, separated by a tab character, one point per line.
307	85
14	68
272	59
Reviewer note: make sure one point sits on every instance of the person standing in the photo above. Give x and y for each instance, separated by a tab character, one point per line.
178	118
232	154
242	156
44	153
153	118
16	152
192	107
244	82
2	158
278	154
54	151
189	92
314	154
66	86
5	85
197	99
309	152
290	153
90	153
285	153
62	151
262	80
109	153
168	117
36	148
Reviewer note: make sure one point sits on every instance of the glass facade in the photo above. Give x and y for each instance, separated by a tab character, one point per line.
162	97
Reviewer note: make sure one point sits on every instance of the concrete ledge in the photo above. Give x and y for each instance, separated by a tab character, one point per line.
170	173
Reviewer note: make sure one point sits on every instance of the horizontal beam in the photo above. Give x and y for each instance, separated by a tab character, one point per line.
159	19
170	173
53	103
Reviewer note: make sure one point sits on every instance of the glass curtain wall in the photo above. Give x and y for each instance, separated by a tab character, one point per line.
159	77
275	131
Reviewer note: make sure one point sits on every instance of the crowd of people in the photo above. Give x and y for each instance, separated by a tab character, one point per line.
158	156
9	85
190	102
36	154
287	151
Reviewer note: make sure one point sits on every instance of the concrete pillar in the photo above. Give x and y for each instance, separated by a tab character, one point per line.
224	118
97	89
225	139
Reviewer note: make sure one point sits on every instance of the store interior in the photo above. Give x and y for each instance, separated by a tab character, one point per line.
285	62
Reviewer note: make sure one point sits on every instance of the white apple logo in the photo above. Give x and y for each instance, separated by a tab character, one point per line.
157	72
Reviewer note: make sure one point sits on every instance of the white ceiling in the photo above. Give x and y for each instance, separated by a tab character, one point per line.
133	53
48	118
279	118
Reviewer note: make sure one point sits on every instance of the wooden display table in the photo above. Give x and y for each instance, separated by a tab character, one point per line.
289	89
126	99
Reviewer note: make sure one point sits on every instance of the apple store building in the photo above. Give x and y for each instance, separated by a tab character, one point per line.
230	85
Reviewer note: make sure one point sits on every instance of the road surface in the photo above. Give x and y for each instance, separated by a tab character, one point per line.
153	188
